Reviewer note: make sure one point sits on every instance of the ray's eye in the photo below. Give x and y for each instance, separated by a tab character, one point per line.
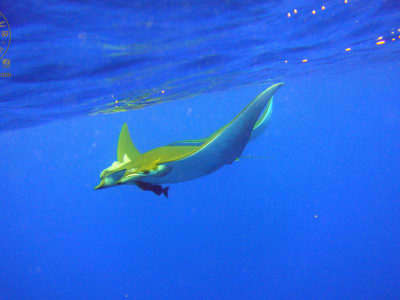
146	172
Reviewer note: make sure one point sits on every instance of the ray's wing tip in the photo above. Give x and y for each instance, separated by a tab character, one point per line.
279	84
274	88
271	89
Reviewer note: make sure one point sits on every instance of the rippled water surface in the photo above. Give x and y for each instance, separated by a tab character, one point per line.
73	58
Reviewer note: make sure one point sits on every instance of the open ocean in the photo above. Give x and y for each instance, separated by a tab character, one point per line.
310	211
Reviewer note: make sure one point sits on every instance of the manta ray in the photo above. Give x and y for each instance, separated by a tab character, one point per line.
188	159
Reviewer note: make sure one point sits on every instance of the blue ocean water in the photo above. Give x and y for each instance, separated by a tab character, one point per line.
310	212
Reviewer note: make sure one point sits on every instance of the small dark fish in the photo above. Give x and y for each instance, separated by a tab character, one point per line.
155	188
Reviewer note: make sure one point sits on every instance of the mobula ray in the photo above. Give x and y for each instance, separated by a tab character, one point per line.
189	159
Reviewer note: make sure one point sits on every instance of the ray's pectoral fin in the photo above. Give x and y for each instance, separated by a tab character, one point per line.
263	120
126	146
155	188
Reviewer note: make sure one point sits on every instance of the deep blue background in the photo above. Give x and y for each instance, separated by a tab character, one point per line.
313	215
